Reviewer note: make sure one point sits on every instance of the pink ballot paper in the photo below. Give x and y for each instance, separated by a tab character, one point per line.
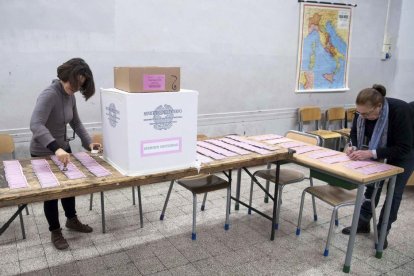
91	164
44	174
209	153
14	174
335	159
228	146
375	169
325	153
358	164
292	144
252	143
278	141
305	149
72	171
244	146
216	149
265	137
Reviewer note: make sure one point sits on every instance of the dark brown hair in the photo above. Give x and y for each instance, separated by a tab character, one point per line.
372	96
71	70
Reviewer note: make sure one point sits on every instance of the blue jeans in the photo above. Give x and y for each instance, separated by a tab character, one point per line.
366	213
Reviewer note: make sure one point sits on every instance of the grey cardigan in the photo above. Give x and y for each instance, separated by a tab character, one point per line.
53	110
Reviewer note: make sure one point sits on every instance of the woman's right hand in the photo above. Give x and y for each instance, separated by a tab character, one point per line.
63	156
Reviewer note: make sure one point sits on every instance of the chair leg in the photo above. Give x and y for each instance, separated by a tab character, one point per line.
103	212
249	211
336	218
193	234
27	210
141	217
133	195
203	205
315	214
302	201
91	202
22	225
266	198
227	224
279	204
166	200
328	241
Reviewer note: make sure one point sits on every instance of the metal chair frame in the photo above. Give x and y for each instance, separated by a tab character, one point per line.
194	233
281	186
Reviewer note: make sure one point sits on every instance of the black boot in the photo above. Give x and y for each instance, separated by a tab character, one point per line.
363	228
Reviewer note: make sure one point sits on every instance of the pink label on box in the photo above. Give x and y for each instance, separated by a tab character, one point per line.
154	82
161	146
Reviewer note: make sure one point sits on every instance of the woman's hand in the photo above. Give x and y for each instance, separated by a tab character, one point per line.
63	156
95	146
361	155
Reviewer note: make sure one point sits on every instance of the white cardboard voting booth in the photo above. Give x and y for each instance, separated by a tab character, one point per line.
146	133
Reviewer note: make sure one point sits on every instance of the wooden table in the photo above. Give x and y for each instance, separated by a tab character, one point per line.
92	184
337	173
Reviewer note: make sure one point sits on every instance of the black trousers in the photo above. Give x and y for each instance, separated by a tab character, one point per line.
401	181
51	210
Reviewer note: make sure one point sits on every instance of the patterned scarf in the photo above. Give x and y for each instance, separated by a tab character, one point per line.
379	136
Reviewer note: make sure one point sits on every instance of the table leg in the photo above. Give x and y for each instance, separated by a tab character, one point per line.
275	201
7	224
355	218
384	225
103	212
239	171
266	198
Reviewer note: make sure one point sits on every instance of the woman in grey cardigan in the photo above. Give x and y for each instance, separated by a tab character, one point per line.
54	109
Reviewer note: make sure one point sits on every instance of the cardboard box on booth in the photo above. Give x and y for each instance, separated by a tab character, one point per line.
146	133
147	79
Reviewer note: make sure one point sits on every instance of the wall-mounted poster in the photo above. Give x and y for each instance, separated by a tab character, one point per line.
324	45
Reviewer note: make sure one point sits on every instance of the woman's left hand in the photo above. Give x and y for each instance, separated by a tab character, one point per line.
95	146
361	155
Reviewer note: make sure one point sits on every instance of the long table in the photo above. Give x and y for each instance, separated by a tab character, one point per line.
91	184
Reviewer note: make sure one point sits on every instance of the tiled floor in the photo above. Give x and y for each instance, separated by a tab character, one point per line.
165	247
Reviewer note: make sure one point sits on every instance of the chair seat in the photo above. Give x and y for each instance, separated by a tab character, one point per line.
344	131
286	176
326	134
203	183
332	195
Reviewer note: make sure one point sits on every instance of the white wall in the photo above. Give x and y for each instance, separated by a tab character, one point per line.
404	77
239	54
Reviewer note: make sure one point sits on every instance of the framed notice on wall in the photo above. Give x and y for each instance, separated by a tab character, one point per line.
324	43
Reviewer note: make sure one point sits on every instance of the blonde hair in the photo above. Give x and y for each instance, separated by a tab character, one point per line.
372	96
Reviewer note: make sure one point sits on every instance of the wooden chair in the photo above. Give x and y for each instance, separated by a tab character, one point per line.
312	114
286	176
350	114
7	148
201	184
97	138
337	115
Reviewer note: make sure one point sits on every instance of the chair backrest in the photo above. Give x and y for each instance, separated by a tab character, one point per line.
97	138
350	114
309	114
335	114
303	137
7	145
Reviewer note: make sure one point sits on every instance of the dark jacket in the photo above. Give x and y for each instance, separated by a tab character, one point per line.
400	139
